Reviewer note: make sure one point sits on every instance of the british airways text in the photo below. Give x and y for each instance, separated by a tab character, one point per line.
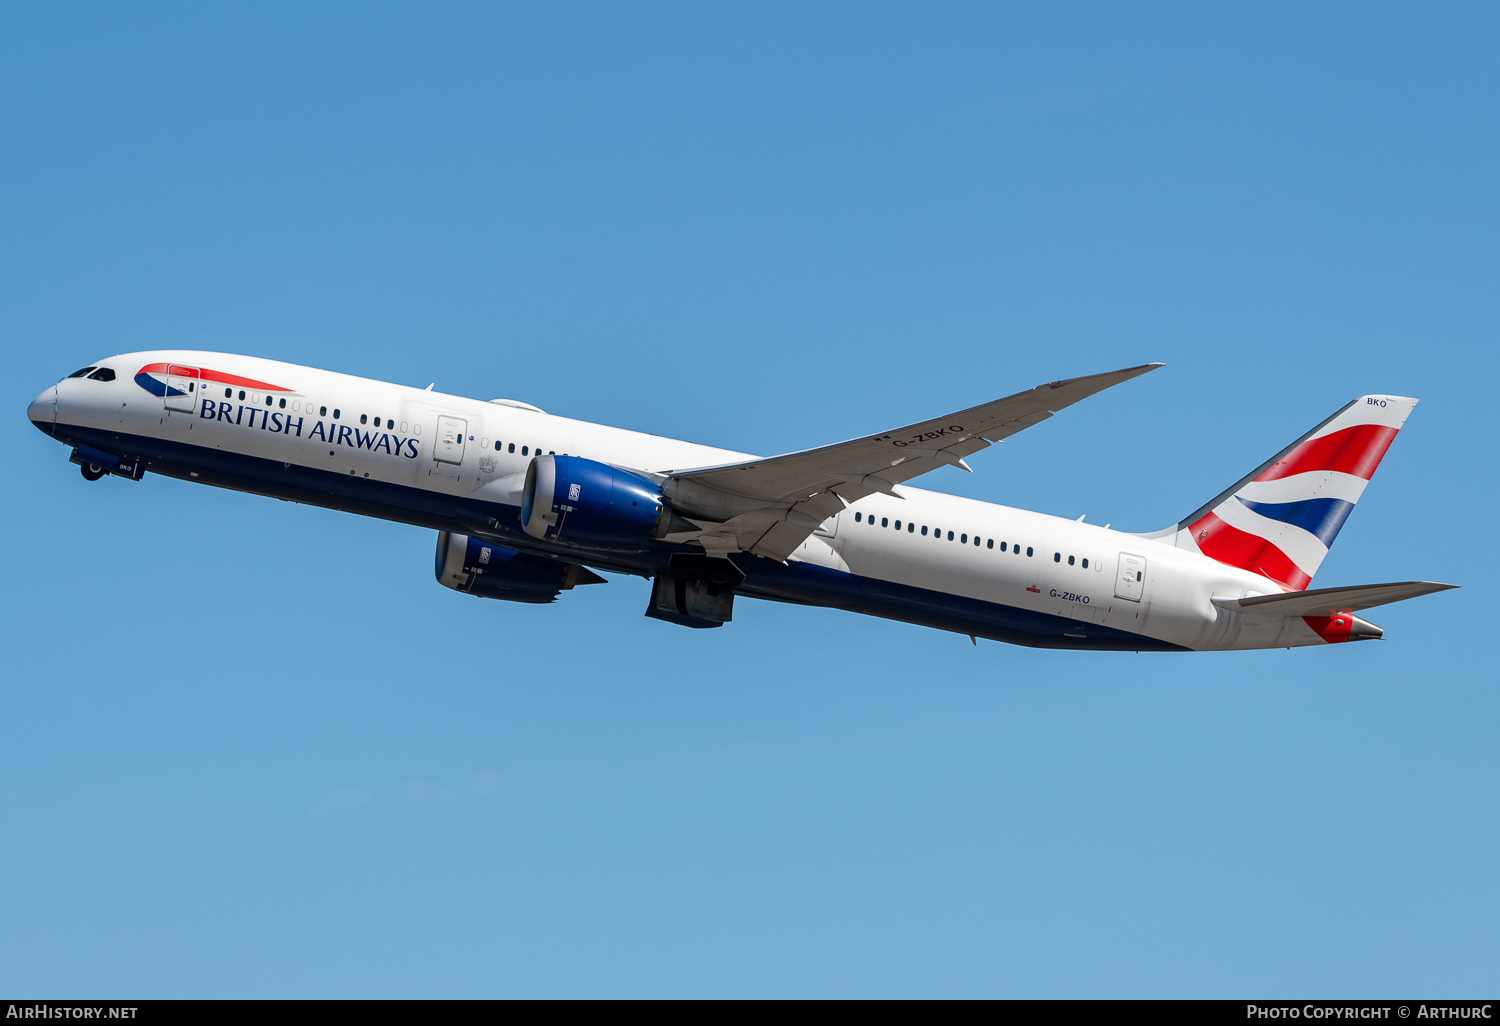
284	423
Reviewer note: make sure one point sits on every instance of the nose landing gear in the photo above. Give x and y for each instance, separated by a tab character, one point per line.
95	463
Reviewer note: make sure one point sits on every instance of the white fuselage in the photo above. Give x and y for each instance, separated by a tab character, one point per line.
320	429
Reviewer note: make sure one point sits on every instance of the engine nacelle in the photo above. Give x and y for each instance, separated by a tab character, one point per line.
493	571
583	502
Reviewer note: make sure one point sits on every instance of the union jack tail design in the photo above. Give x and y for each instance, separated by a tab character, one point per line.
1280	520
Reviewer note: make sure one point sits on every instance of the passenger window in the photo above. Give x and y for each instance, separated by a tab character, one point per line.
102	374
242	393
512	447
884	522
81	373
362	419
898	525
322	411
965	539
1085	564
390	423
991	544
950	535
1002	546
1028	550
1070	560
976	542
525	452
270	400
228	393
924	530
910	527
335	414
859	518
283	404
1057	557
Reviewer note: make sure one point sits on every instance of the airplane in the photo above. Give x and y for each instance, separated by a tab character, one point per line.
527	505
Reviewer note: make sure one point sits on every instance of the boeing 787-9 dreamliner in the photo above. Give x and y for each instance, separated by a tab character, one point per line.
527	505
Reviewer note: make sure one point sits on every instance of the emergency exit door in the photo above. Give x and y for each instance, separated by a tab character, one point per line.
1131	582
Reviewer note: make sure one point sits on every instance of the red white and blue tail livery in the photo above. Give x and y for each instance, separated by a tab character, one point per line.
1280	520
527	505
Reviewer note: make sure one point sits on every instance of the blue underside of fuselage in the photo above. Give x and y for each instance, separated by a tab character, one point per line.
794	582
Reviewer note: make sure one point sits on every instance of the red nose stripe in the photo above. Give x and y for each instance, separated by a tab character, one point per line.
218	376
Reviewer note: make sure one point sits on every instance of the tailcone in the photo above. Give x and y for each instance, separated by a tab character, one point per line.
1343	627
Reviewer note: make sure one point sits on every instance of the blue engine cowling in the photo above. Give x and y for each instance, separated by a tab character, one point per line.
586	503
493	571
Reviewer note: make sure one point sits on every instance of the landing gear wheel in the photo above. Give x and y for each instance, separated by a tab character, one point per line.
91	471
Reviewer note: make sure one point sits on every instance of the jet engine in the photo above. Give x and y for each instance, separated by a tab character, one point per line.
493	571
582	502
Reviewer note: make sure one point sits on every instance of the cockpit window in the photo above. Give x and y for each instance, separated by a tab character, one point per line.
102	374
80	373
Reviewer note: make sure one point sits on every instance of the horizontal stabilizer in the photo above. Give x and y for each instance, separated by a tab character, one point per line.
1331	601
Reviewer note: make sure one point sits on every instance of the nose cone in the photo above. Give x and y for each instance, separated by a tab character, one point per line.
43	410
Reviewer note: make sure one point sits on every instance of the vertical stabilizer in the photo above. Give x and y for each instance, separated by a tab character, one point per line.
1281	519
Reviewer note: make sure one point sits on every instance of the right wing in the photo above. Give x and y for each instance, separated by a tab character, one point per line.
779	501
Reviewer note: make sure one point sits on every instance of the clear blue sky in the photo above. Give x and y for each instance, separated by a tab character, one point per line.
252	748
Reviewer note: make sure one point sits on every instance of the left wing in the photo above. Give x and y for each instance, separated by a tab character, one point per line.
774	504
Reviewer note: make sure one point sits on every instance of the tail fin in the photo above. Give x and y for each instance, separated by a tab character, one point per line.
1281	519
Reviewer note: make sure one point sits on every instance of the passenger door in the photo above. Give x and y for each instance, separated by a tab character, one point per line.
1130	582
448	445
182	389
